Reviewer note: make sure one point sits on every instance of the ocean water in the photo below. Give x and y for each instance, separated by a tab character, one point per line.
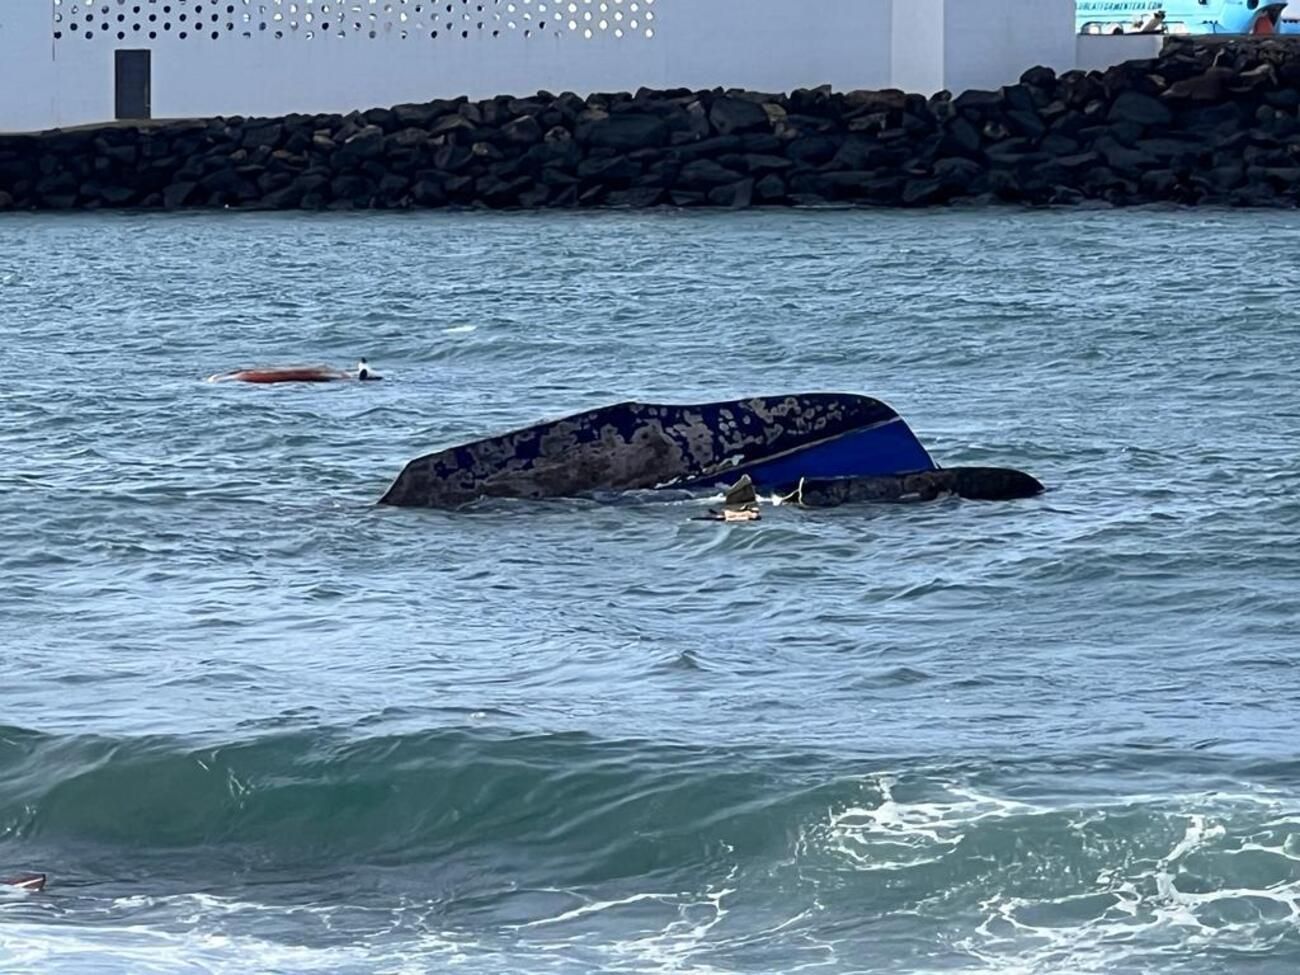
251	722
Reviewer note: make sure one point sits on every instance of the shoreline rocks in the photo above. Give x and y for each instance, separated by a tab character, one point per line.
1208	122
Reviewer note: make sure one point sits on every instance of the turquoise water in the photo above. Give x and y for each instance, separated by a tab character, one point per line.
249	721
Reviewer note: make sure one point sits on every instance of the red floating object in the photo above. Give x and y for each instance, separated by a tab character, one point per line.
296	374
26	881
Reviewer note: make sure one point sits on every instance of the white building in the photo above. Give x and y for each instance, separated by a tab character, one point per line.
71	62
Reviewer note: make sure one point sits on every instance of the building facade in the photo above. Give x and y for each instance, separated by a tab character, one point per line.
74	62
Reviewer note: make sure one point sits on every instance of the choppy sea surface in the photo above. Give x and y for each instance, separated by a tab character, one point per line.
250	721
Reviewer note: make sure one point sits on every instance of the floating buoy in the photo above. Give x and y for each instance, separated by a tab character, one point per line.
298	374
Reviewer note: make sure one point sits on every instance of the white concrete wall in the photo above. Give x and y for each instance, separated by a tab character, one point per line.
989	43
268	58
918	46
773	45
1097	52
29	96
705	46
271	57
956	45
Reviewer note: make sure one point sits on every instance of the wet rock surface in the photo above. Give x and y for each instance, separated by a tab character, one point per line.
1206	122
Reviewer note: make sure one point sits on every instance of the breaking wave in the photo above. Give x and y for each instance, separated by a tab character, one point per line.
626	855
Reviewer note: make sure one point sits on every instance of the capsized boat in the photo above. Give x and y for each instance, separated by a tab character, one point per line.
29	882
780	443
297	374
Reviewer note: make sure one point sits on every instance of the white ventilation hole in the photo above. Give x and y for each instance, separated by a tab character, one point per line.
120	20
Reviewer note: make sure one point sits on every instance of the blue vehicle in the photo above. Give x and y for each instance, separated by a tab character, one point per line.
1183	17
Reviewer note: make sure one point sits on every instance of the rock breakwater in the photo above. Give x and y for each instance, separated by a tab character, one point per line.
1206	122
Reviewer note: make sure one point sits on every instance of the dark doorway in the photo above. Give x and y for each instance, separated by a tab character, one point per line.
131	74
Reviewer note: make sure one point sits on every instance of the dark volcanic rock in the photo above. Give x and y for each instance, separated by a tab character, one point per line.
861	152
1159	183
978	102
1207	120
1124	160
1058	145
267	134
637	197
922	191
178	194
737	195
117	196
523	131
758	163
1169	149
420	116
1081	160
708	147
1039	77
1027	123
770	188
706	172
1132	106
736	115
624	132
1207	87
961	138
617	169
813	150
428	191
957	173
356	149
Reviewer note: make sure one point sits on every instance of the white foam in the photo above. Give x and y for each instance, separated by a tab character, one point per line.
1140	913
895	835
207	946
1135	911
198	938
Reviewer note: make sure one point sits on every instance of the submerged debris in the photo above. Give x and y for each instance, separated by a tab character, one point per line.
740	503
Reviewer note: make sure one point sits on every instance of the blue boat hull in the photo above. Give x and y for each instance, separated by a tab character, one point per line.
639	446
889	448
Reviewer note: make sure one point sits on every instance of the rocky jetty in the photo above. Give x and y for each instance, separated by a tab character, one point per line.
1206	122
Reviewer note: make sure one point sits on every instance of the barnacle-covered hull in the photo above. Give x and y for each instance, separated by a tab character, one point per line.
776	440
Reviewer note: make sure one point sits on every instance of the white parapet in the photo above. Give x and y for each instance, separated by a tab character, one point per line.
272	57
1097	52
956	45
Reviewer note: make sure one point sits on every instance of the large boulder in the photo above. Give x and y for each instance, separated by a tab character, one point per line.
1132	106
703	173
624	132
737	115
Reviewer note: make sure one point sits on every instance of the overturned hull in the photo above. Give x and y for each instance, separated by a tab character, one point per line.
295	374
29	882
972	483
777	441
